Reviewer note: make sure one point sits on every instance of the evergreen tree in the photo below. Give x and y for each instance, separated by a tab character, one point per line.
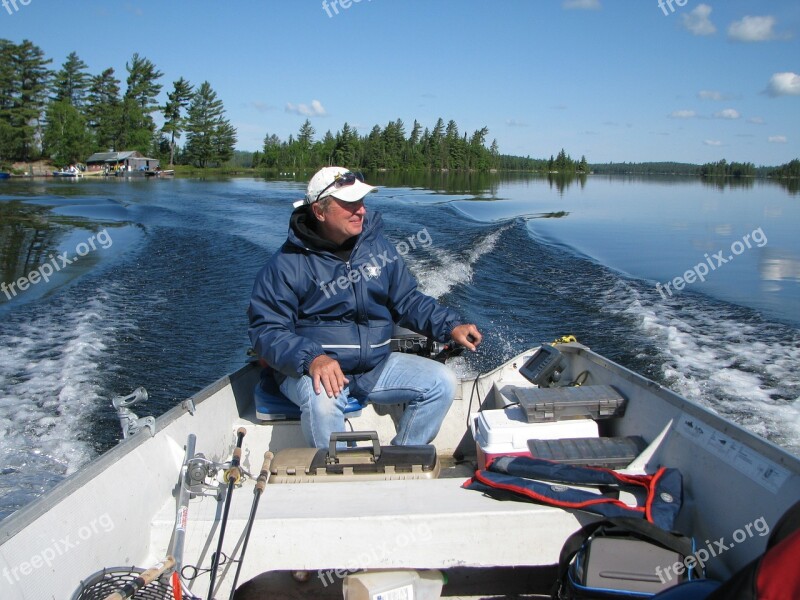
104	110
225	138
210	137
272	151
142	86
24	78
305	139
346	141
494	151
434	154
7	91
137	126
174	122
72	81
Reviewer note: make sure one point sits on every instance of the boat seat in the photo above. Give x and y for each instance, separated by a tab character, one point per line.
272	405
607	452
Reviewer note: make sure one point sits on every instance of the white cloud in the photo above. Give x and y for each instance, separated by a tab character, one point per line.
753	29
712	143
777	139
698	22
710	95
728	113
515	123
582	4
756	120
682	114
784	84
315	110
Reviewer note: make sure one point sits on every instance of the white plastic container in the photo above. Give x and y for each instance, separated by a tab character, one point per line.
394	585
506	431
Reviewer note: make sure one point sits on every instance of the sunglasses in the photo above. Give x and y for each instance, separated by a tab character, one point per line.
341	180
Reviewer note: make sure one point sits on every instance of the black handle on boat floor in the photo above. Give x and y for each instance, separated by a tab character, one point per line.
142	580
261	483
232	475
354	436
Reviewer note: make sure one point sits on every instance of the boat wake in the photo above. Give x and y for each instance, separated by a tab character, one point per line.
725	357
728	358
49	389
447	269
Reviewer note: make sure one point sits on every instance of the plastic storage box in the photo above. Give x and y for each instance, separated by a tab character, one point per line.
608	452
560	403
506	431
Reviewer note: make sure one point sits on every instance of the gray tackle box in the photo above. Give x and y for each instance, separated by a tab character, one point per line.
542	405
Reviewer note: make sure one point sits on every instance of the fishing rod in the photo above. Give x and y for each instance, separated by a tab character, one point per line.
181	517
142	580
261	483
231	477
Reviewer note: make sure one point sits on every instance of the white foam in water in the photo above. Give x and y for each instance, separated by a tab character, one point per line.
723	358
452	269
48	391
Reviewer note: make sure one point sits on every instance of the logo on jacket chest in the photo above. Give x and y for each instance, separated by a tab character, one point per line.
371	271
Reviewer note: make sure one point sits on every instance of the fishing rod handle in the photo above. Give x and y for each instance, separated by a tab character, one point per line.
142	580
235	473
263	477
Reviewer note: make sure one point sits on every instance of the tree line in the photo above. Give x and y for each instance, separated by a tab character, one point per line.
563	163
389	147
721	168
67	114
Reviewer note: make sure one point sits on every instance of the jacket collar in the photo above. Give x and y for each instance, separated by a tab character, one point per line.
303	234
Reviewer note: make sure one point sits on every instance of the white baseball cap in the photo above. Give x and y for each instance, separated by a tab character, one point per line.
338	182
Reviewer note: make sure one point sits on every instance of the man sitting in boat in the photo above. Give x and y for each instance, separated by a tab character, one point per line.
323	311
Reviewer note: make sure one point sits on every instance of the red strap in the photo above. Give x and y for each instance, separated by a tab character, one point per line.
778	575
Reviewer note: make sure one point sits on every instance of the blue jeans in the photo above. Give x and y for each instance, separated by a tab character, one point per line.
427	386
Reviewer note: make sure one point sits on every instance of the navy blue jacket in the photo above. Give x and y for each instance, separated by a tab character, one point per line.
307	302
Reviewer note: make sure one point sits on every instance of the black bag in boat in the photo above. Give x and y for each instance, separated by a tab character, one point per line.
624	558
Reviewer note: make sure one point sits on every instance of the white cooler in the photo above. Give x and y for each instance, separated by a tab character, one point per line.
506	431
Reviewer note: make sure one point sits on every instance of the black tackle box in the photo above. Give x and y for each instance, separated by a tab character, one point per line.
607	452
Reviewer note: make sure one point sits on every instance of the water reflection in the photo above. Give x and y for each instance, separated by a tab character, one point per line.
27	237
34	231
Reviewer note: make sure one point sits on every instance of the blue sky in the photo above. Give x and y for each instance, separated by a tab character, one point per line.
616	80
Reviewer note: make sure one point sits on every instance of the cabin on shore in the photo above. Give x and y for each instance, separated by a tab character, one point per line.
121	162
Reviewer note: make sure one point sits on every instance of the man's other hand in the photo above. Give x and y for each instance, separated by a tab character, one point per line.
467	335
327	371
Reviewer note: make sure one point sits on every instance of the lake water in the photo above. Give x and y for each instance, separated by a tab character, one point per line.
158	293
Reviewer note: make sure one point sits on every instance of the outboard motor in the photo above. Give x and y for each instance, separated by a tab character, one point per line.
409	342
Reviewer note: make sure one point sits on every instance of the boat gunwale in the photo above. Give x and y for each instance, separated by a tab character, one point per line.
761	445
20	519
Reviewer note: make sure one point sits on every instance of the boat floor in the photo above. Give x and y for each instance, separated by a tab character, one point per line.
498	583
393	524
